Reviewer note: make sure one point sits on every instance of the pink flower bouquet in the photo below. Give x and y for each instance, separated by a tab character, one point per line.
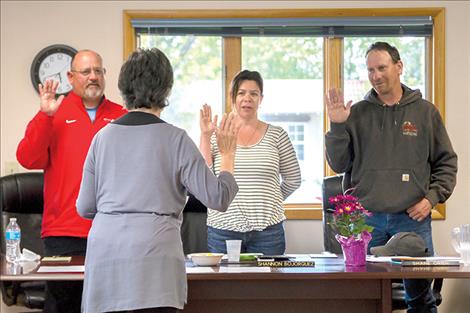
349	218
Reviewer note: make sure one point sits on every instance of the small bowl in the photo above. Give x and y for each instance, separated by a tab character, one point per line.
206	259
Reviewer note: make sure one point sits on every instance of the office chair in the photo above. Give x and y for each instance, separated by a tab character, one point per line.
194	227
22	197
332	186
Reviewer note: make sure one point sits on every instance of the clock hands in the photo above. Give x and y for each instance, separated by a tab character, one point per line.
60	72
53	77
58	75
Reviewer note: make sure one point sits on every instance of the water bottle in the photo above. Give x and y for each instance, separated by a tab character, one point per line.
13	238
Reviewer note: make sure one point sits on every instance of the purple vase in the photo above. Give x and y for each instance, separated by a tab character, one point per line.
354	249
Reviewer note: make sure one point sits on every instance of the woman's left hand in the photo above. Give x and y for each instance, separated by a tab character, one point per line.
206	123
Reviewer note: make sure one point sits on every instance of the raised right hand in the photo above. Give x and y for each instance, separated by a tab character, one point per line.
227	133
337	111
49	104
206	123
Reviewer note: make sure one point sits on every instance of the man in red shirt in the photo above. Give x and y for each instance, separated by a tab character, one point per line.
57	141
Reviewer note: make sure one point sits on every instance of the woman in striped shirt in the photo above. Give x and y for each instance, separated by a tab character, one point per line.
266	170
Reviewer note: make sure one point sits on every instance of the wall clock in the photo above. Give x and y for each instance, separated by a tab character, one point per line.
53	62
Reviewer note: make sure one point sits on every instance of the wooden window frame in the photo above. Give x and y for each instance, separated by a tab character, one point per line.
333	54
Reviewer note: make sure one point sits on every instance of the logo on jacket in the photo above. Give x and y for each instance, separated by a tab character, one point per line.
109	120
70	121
409	129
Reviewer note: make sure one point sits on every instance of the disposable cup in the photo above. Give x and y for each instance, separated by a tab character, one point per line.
233	250
461	242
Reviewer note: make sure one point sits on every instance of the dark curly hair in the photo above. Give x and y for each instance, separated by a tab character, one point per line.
384	46
242	76
146	79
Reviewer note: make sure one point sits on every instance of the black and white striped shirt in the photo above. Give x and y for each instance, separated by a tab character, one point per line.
266	174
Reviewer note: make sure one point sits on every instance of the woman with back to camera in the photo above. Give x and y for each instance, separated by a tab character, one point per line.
135	180
266	170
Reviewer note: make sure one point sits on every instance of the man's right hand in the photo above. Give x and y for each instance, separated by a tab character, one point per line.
49	104
337	111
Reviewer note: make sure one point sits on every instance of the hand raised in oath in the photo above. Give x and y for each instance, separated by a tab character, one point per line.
206	123
49	104
337	111
227	133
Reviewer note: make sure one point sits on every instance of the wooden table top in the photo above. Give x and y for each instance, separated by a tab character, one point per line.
325	268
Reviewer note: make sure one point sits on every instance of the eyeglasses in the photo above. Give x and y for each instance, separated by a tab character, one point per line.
87	72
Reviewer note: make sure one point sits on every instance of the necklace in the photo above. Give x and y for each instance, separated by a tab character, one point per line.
246	142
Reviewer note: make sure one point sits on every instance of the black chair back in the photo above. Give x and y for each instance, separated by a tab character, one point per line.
194	227
331	187
22	197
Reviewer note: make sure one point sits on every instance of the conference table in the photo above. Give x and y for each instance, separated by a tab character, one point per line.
329	286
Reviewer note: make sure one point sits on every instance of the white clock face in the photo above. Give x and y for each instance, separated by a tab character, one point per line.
55	67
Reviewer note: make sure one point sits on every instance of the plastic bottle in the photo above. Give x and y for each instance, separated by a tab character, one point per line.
13	238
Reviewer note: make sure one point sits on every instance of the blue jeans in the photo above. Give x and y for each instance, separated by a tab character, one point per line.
419	296
270	241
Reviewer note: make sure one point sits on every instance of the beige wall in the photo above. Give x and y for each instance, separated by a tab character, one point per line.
27	27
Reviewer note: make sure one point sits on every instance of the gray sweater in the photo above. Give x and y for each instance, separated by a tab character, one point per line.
395	155
135	180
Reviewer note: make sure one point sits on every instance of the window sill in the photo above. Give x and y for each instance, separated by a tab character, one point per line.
303	214
303	211
315	212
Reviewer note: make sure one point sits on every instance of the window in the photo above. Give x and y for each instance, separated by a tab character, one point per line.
292	70
412	52
312	55
197	66
296	135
